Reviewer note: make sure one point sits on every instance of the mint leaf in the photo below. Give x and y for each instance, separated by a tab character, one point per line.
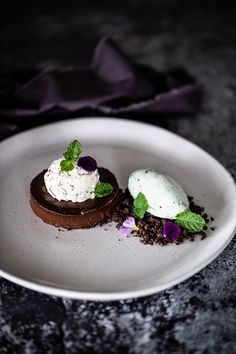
68	156
67	165
138	213
190	221
103	189
140	206
73	151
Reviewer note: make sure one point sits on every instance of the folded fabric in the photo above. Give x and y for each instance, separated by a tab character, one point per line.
111	85
7	129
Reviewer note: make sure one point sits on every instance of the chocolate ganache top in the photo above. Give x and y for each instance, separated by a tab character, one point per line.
40	194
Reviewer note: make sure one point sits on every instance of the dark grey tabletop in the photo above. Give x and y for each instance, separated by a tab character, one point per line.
198	315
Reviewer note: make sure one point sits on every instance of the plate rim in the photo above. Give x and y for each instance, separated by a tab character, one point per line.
118	295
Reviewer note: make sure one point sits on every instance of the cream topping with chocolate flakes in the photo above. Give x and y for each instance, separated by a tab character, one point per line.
77	185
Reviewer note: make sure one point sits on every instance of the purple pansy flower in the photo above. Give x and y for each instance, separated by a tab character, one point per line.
128	226
88	163
171	230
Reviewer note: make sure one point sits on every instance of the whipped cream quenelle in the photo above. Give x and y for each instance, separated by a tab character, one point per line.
77	185
164	195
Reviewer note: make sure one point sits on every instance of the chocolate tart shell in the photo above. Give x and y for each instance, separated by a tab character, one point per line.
71	215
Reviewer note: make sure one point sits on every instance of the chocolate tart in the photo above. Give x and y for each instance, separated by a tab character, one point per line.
67	214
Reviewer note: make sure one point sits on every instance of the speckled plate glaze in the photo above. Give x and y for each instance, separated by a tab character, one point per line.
100	264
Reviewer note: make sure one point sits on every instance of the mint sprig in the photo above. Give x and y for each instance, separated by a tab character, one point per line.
103	189
72	154
190	221
67	165
140	206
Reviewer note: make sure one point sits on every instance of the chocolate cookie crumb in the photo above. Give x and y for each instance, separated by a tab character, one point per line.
151	227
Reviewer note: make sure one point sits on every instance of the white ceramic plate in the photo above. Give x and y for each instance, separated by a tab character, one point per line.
99	264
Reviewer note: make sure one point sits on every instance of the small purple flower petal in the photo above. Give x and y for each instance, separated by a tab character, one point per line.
171	230
125	231
130	222
128	226
88	163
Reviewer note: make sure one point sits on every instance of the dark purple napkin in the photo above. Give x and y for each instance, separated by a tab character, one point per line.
111	85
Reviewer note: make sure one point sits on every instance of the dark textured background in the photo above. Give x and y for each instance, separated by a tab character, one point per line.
197	316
